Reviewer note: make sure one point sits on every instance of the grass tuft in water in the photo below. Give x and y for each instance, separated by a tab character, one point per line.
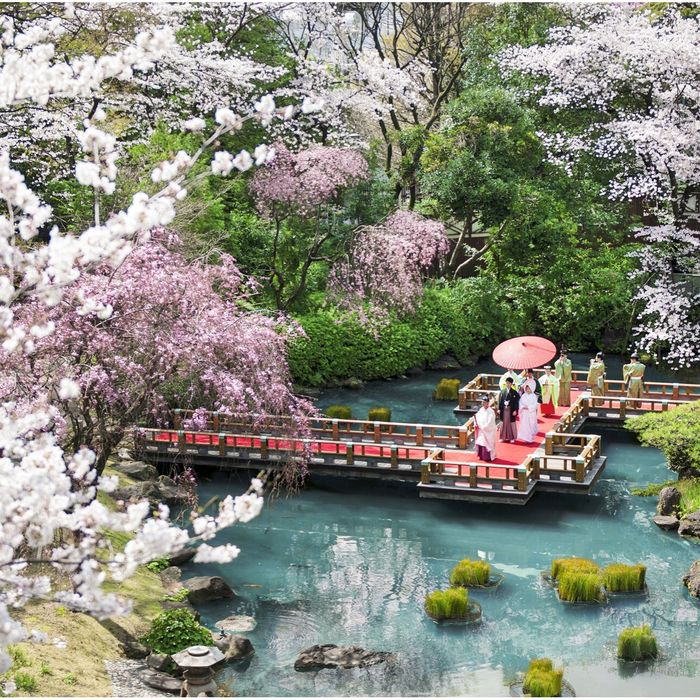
622	578
447	390
379	414
542	680
470	573
559	566
579	586
452	604
637	644
344	412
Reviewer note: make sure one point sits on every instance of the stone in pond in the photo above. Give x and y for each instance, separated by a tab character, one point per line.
667	522
692	579
160	681
669	501
205	588
140	471
237	623
446	362
234	646
690	525
333	656
182	555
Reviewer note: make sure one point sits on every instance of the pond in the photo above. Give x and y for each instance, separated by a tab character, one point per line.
350	563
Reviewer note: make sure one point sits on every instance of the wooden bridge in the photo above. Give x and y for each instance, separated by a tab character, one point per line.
439	459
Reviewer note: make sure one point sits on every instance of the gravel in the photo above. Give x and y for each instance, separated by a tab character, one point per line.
125	680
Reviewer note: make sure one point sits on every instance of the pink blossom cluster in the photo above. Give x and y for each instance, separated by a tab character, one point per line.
386	265
300	182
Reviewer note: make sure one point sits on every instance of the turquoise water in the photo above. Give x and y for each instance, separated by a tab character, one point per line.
350	563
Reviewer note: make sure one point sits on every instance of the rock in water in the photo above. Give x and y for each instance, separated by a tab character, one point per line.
234	646
669	501
446	362
204	588
237	623
690	525
692	579
332	656
667	522
182	555
138	470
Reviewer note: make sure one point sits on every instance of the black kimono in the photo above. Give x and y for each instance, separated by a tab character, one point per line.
508	401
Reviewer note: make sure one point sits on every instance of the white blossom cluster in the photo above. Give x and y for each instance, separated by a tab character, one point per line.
44	491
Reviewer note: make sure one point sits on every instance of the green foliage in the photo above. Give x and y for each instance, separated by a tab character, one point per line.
344	412
676	433
542	680
45	669
560	566
70	679
451	604
689	489
177	597
470	573
19	656
26	682
651	489
175	630
158	565
447	390
637	644
380	414
579	587
61	610
620	578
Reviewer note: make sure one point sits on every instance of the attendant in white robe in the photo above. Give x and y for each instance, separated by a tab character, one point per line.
513	375
486	432
527	412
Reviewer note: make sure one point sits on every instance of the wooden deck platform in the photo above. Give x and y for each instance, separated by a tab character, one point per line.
439	459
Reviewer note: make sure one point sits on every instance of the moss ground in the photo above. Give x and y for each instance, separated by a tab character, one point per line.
689	488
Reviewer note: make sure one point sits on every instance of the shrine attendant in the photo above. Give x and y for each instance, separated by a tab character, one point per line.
547	382
485	423
633	375
563	370
502	381
508	401
527	410
596	378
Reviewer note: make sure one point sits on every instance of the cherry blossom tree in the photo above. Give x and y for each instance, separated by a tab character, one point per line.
44	490
386	266
634	77
303	187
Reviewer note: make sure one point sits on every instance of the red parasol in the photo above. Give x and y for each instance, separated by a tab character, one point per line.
524	352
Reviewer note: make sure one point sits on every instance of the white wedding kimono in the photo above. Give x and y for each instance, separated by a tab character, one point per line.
527	413
485	442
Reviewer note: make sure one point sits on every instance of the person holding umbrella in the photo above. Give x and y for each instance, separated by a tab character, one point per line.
485	431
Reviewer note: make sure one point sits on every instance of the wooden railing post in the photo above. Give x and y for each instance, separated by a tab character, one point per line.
215	421
335	433
535	467
222	444
419	435
623	407
425	471
462	399
181	441
377	432
394	457
349	453
580	469
463	437
177	419
522	479
585	404
264	447
549	443
664	405
674	396
472	475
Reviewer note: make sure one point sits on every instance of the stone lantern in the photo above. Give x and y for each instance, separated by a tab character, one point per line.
197	662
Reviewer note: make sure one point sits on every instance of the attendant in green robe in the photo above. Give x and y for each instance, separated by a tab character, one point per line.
596	378
563	369
633	375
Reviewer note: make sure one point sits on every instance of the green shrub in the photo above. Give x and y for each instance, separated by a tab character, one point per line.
579	587
637	644
380	414
542	680
452	604
45	669
175	630
619	578
470	573
559	566
19	656
70	679
26	682
344	412
447	390
177	597
158	565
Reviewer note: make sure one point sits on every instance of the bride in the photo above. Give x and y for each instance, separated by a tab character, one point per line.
527	428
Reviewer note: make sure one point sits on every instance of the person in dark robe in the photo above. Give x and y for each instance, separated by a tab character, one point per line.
529	376
508	401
